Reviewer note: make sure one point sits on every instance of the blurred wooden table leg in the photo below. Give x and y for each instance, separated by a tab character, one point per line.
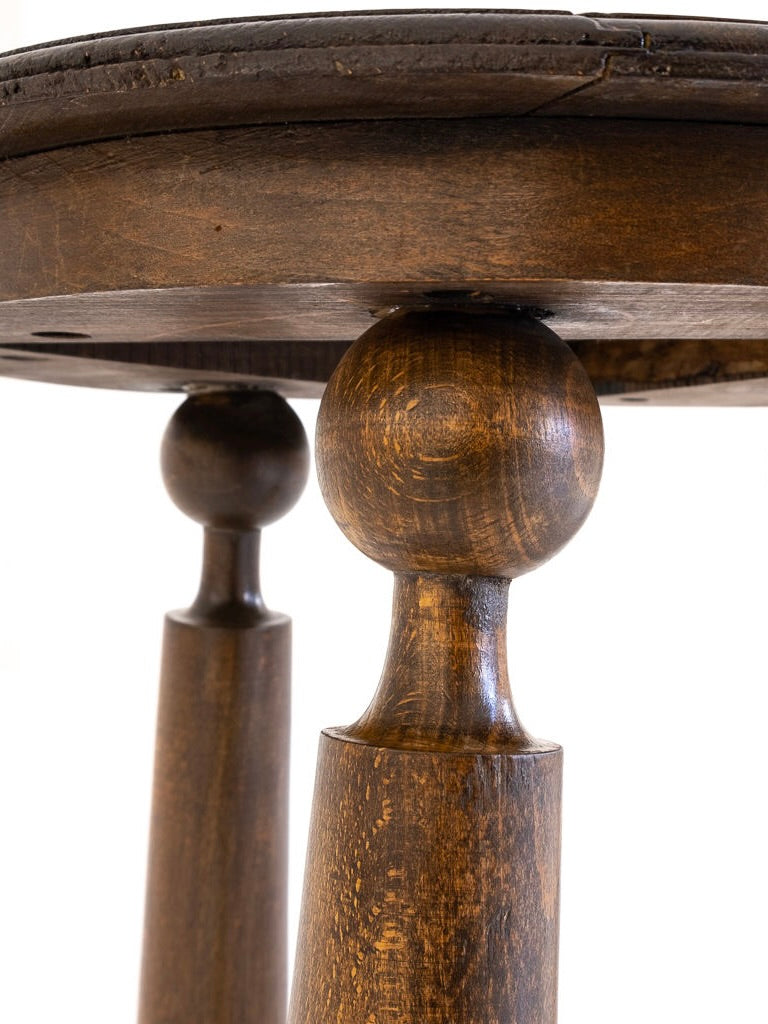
215	927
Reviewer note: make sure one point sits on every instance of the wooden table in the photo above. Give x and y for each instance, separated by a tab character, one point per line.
223	207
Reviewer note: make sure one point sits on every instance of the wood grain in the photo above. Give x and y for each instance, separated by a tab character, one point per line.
459	448
490	200
286	179
432	888
617	369
459	442
417	63
335	312
215	926
445	685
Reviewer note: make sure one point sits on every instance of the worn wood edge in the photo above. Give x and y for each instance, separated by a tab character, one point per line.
342	734
318	30
420	26
364	65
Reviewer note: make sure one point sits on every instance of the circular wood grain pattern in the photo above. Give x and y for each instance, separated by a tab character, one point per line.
459	443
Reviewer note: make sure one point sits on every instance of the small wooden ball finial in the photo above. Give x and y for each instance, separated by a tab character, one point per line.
459	442
217	880
235	460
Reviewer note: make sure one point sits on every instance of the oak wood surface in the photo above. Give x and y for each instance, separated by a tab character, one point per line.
460	448
602	310
459	442
445	684
432	889
215	925
682	371
416	225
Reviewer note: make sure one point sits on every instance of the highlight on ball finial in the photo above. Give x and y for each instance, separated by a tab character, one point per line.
235	460
455	441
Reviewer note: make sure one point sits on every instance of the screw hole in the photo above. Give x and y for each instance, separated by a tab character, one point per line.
59	334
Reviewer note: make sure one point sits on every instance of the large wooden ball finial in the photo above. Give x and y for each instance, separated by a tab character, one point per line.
459	442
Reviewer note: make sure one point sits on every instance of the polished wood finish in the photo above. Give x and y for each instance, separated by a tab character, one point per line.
459	448
215	927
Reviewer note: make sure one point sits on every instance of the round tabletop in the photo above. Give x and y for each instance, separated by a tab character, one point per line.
328	67
220	203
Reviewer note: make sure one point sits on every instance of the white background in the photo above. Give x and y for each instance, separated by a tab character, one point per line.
641	648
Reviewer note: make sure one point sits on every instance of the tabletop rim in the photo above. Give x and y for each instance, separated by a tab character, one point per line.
611	31
380	65
673	23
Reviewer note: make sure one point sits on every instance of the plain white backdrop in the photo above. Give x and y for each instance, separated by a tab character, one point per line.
641	648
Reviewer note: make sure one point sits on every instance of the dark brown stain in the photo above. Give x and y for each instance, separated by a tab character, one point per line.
215	925
459	449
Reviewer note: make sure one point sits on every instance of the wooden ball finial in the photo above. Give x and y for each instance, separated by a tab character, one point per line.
459	442
235	460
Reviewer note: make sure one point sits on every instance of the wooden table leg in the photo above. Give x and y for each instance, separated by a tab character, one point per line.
459	449
215	927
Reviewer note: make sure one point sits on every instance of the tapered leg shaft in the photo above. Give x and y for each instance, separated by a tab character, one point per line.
432	887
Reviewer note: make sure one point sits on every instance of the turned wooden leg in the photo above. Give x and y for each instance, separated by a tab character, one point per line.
459	449
215	927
